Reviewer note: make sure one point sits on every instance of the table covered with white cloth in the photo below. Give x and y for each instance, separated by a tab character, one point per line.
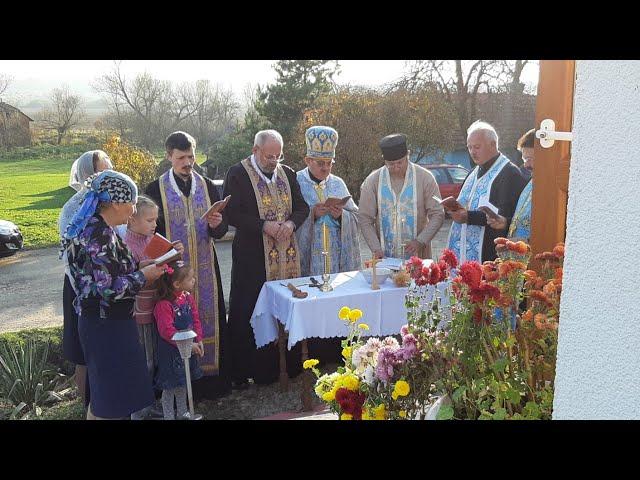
317	315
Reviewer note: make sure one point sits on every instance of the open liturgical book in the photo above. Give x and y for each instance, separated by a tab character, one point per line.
217	207
448	203
161	250
336	202
489	209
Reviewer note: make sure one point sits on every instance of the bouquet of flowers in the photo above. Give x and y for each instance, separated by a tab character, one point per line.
488	343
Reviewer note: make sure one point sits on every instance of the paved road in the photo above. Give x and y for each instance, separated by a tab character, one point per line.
31	283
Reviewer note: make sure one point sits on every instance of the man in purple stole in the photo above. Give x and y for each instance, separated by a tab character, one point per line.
266	207
183	196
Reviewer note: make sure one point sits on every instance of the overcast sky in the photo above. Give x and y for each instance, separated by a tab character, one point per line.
234	74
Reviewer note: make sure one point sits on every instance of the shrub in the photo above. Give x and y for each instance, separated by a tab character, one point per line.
137	163
26	379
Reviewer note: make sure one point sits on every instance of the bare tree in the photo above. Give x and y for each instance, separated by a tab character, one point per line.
146	109
460	81
5	81
64	112
213	111
143	105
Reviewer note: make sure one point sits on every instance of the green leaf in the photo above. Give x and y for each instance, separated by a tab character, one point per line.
500	414
499	365
496	342
513	395
445	413
532	410
459	392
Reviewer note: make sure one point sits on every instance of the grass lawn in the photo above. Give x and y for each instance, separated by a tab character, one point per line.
34	187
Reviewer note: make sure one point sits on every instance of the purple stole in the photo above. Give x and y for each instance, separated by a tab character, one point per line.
281	259
182	220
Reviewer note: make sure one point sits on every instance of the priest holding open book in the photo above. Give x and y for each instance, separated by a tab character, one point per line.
332	223
494	184
184	199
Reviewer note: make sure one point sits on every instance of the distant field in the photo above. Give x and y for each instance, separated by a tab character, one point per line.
34	187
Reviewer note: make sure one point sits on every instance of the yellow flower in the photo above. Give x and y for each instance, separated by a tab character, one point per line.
365	415
394	395
402	413
350	382
346	352
401	388
380	412
346	416
344	313
312	362
329	396
363	326
355	315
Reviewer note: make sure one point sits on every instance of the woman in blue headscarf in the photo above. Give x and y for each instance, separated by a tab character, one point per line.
107	279
87	164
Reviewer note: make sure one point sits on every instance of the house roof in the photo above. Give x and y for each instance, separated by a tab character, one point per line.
10	108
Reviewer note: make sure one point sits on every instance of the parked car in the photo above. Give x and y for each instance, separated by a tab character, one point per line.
449	177
11	239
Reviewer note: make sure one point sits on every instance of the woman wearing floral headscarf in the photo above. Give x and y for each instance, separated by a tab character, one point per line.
107	279
87	164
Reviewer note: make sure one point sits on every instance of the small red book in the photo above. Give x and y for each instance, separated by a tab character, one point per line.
158	246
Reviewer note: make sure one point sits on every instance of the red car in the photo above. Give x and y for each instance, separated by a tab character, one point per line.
449	177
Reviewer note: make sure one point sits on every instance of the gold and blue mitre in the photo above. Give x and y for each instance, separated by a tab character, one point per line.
321	142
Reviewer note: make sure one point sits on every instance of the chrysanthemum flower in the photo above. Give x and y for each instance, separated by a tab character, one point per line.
312	362
355	315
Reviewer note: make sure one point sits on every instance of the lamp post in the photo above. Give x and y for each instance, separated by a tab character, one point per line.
184	340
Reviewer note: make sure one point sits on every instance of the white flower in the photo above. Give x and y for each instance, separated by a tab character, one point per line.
369	375
390	342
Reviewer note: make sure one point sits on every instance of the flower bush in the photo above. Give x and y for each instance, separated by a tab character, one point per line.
489	343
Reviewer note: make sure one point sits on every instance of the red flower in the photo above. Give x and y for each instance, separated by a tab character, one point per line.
500	241
449	258
351	402
471	273
558	251
435	274
414	267
444	270
483	292
456	286
521	248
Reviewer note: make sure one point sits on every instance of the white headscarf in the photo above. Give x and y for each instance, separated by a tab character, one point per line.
82	169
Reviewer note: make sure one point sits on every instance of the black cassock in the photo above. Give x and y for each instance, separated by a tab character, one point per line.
248	275
208	386
505	192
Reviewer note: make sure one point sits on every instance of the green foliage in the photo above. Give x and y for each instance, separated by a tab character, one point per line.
41	336
137	163
34	187
298	85
27	381
362	117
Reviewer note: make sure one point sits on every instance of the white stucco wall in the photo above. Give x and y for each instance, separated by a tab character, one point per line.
598	365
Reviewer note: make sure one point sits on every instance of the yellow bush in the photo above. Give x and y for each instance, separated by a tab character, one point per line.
138	164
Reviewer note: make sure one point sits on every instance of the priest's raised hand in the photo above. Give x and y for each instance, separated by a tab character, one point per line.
214	219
